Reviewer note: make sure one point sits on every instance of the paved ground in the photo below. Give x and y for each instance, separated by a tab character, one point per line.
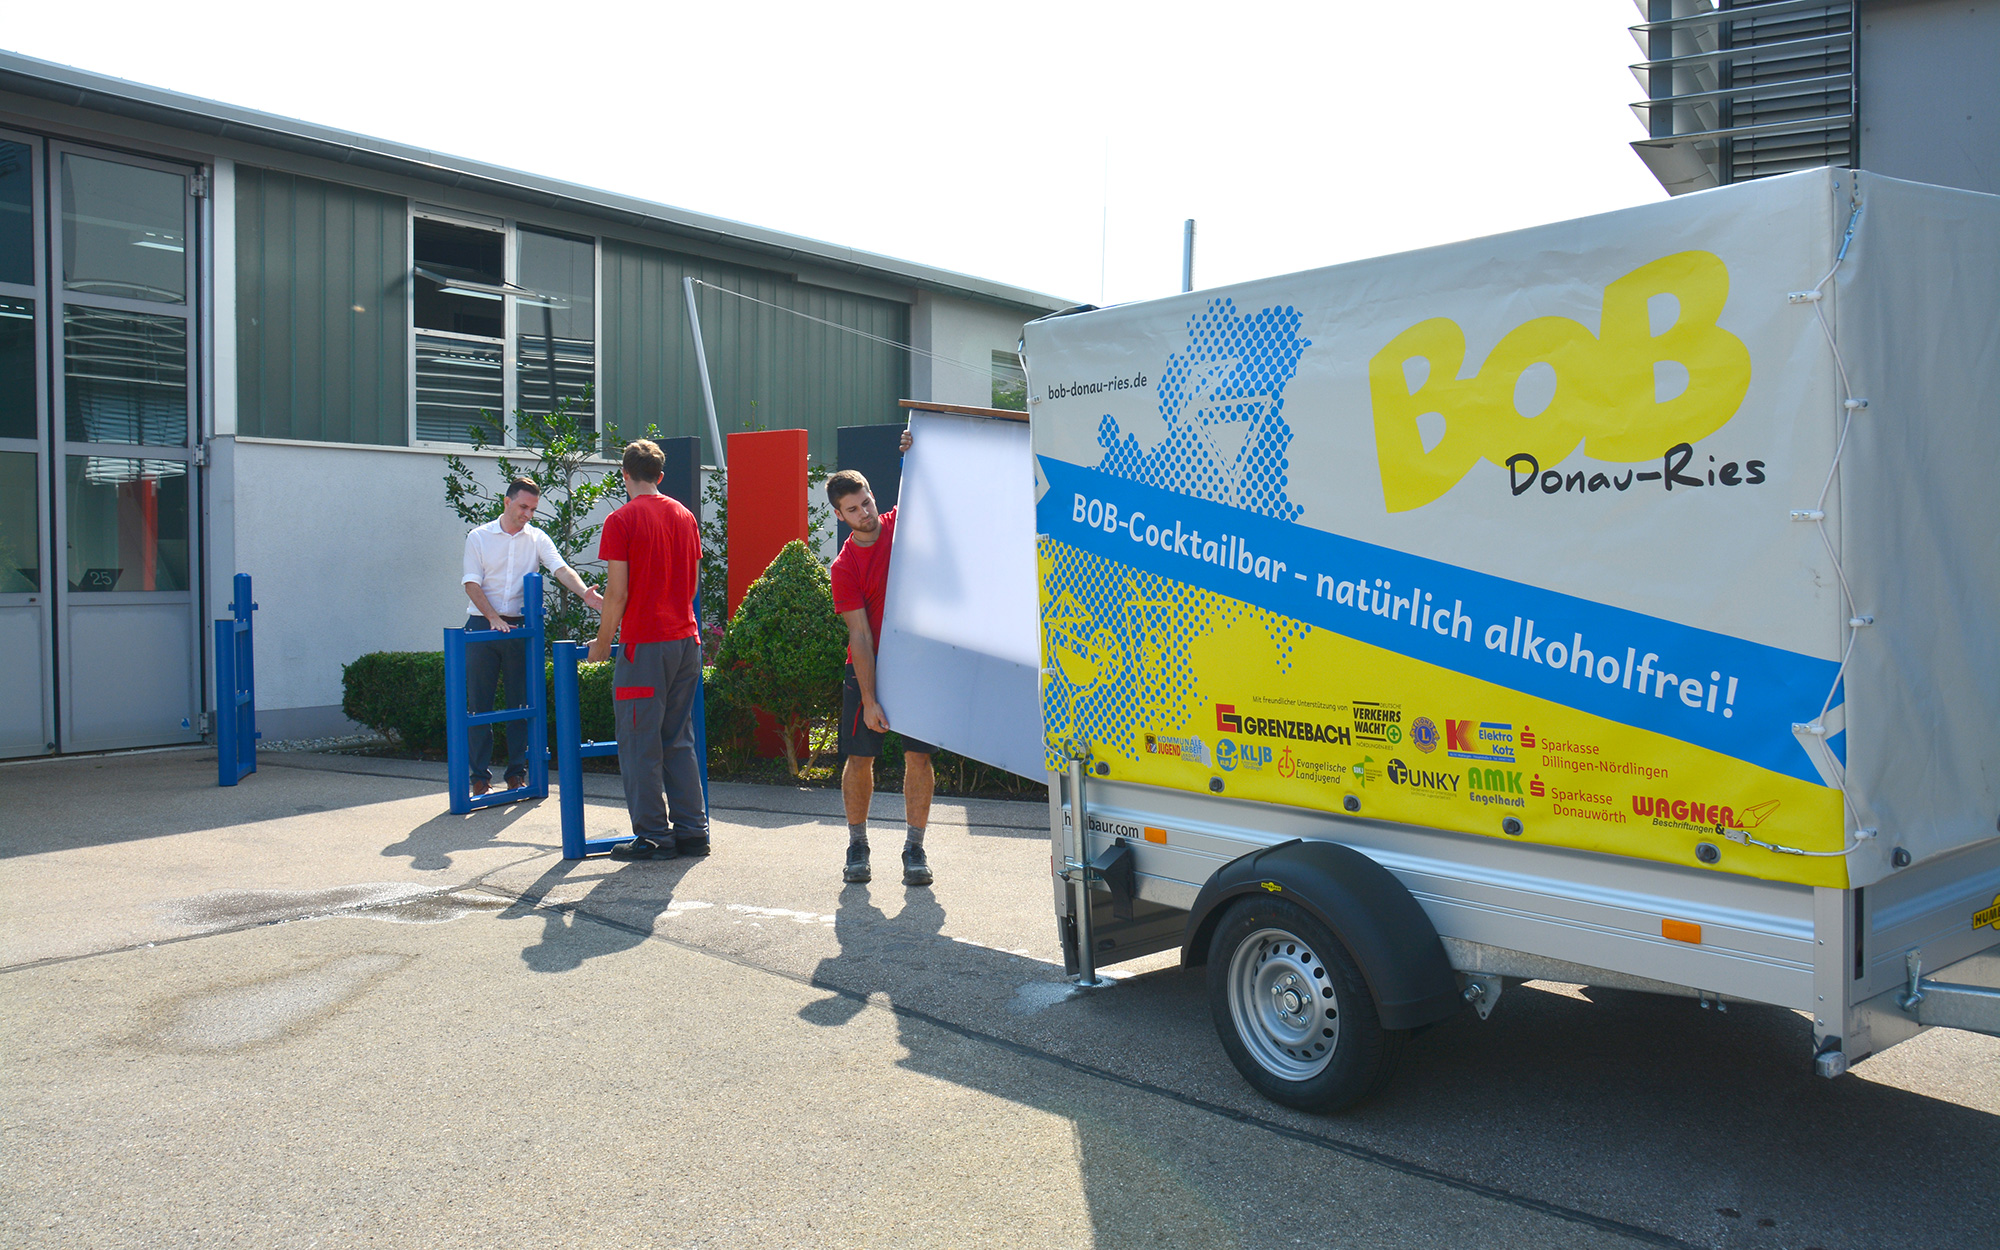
318	1010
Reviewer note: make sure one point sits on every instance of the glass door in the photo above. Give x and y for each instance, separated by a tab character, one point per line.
27	678
122	284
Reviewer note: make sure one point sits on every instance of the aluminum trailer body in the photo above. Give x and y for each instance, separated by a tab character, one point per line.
1620	592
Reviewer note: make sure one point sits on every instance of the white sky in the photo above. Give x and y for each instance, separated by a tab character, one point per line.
973	138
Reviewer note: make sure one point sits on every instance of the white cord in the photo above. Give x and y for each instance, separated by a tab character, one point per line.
986	371
1850	404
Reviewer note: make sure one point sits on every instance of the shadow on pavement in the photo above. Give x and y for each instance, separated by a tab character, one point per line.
429	846
876	953
1655	1117
632	896
67	804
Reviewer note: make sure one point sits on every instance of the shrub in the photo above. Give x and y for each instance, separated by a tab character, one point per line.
400	694
785	649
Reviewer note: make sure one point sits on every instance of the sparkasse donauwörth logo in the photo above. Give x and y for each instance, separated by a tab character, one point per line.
1424	734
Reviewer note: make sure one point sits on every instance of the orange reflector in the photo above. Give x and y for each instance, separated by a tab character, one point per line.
1156	835
1681	931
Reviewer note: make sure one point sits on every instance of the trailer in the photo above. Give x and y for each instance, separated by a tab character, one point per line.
1611	603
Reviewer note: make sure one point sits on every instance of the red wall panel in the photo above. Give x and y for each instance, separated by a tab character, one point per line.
767	502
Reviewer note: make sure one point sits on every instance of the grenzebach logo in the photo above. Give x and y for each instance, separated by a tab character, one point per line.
1228	720
1402	774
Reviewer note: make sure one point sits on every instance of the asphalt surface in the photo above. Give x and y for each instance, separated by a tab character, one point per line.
316	1009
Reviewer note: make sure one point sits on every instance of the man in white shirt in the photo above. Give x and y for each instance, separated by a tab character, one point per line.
497	556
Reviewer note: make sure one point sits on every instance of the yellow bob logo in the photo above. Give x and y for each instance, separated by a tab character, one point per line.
1606	397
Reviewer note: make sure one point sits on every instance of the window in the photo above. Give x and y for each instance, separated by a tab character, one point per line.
555	334
505	321
461	328
1010	384
17	225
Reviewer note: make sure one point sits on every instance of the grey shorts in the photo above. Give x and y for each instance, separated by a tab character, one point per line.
856	738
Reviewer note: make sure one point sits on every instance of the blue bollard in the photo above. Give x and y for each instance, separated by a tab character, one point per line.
458	722
236	691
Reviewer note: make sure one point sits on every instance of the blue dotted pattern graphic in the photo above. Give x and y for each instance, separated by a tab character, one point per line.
1117	640
1127	633
1222	397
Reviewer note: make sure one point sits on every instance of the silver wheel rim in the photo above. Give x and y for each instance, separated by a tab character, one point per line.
1282	1001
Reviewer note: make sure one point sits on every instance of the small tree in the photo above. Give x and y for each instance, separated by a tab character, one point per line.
785	650
714	521
559	449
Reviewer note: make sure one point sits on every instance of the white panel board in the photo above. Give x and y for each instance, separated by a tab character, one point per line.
960	654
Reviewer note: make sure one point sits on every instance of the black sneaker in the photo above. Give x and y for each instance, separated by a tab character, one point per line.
644	848
692	845
857	864
915	870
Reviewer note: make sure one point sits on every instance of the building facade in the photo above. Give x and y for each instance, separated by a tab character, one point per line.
233	342
1744	89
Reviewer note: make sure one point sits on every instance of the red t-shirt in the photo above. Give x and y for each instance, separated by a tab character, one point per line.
661	547
861	577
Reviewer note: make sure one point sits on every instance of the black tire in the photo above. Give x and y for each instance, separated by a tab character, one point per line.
1266	958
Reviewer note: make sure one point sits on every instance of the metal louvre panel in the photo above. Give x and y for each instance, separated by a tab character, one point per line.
574	366
1760	156
458	380
1750	90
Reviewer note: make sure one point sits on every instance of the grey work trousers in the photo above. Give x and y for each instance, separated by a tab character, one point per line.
653	690
485	662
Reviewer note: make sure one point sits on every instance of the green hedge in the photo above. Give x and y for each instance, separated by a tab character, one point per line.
400	694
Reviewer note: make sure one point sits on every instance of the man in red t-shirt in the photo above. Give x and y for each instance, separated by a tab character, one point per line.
651	550
860	582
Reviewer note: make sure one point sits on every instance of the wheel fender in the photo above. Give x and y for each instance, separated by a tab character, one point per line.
1371	912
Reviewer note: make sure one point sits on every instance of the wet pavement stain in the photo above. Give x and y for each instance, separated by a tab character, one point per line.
434	909
224	1020
397	902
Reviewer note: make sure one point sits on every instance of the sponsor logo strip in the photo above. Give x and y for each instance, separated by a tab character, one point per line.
1725	694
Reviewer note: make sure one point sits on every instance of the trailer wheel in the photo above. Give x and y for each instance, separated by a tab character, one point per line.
1293	1010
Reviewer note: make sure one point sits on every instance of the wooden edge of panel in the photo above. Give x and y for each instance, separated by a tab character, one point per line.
964	410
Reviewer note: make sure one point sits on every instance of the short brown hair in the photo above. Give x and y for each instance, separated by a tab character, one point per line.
842	484
644	461
520	484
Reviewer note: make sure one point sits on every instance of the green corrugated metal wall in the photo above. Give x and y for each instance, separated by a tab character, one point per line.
770	370
308	365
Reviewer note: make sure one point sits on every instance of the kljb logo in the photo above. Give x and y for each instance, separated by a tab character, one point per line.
1226	719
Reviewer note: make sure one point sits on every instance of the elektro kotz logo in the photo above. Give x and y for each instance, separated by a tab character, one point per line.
1401	774
1424	734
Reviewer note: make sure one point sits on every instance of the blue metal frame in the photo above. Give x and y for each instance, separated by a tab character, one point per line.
236	691
571	750
458	722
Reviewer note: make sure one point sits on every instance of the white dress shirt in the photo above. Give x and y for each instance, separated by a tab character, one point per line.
497	561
